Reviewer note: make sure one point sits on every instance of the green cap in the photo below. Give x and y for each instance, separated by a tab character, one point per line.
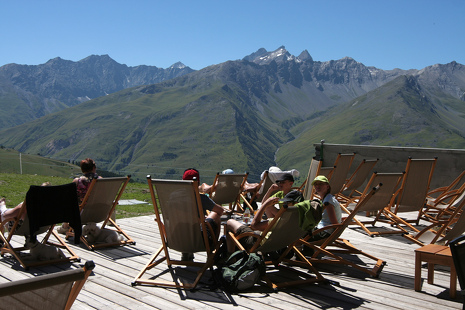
320	178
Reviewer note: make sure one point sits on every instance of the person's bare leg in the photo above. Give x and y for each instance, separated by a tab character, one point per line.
11	213
231	226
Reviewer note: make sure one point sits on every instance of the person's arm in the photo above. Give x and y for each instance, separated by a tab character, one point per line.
267	206
270	209
219	209
331	213
273	188
205	188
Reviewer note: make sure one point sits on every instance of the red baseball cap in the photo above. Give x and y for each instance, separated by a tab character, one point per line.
190	174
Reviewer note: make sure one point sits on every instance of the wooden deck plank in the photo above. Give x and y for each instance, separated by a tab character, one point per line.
109	287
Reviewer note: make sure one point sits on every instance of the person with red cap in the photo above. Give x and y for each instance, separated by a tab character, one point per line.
207	203
190	174
215	210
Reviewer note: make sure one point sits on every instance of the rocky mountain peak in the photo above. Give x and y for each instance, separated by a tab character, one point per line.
178	65
258	53
262	57
305	56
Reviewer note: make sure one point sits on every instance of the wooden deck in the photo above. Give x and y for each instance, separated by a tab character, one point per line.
109	287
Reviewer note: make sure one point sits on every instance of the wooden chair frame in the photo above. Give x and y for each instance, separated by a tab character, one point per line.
285	226
159	190
326	251
99	204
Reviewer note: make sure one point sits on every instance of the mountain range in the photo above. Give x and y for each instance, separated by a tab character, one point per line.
263	110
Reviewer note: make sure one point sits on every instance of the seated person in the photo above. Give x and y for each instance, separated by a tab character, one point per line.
215	210
12	213
89	171
283	182
191	173
247	186
206	188
281	187
275	174
207	203
9	213
258	225
332	210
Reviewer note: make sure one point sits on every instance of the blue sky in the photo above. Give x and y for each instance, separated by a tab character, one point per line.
386	34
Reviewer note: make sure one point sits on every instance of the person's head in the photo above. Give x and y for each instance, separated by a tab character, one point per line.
293	197
88	165
190	174
227	171
285	182
321	185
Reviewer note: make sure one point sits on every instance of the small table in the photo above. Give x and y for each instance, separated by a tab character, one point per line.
434	254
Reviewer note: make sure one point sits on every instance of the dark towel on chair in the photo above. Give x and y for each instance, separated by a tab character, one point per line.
47	205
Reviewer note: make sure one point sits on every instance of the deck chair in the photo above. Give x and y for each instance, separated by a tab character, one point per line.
390	185
44	207
52	291
227	189
280	233
252	198
357	179
338	176
439	192
307	191
327	250
98	206
457	249
442	231
443	206
412	194
182	229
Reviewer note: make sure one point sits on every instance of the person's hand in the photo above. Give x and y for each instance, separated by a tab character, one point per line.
271	201
274	187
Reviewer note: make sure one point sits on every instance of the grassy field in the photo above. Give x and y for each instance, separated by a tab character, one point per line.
14	187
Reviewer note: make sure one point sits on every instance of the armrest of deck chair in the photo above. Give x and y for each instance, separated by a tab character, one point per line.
437	190
332	226
244	199
239	237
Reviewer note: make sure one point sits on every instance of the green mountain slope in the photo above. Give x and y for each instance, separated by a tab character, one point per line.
13	162
400	113
249	116
153	130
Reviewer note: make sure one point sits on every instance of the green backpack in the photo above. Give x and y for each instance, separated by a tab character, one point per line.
241	271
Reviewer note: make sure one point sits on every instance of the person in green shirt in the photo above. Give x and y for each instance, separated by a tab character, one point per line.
281	188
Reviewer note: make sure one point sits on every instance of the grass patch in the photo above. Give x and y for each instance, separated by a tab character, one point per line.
14	187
